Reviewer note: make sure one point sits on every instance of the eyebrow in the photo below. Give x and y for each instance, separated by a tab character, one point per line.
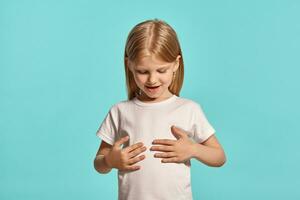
161	68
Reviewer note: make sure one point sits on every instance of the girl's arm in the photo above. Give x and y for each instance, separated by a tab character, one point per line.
100	164
210	152
114	156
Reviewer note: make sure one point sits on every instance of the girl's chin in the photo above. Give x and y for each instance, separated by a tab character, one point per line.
151	96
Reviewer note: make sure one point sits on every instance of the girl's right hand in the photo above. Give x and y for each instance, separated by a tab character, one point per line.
124	159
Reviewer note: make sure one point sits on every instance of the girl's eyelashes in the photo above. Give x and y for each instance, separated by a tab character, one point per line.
145	72
141	72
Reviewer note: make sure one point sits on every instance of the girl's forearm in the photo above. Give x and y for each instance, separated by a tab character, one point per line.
210	156
100	165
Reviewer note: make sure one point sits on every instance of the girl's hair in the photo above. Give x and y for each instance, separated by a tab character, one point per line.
157	38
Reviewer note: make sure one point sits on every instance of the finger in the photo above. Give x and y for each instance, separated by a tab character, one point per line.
162	148
170	160
165	155
121	141
131	168
136	159
164	141
136	152
133	147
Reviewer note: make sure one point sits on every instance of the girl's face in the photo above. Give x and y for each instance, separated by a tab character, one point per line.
154	77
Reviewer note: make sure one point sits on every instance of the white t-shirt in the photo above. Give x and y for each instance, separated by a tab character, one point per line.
144	122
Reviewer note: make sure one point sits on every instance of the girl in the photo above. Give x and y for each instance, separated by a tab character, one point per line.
158	130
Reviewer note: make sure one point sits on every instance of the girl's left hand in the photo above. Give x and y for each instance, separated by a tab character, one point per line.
174	151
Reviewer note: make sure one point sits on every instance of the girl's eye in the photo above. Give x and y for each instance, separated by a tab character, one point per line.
141	72
162	71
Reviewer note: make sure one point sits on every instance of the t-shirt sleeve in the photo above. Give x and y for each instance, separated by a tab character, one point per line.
201	127
109	127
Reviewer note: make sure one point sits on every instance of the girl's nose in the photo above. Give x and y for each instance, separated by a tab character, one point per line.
152	79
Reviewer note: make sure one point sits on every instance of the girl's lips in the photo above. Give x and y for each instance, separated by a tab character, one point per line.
152	89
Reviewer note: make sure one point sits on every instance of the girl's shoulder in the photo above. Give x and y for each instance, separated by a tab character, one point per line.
119	105
188	102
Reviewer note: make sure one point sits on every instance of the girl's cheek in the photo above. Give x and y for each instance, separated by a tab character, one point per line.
140	79
167	78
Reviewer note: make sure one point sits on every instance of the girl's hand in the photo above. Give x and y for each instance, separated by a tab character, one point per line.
124	159
174	151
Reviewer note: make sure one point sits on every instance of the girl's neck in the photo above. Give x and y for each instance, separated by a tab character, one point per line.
144	98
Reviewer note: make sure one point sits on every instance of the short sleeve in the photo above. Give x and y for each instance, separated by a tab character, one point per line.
109	127
201	127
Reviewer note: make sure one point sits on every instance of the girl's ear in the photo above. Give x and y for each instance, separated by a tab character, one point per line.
177	63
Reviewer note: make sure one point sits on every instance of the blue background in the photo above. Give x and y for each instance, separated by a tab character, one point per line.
61	68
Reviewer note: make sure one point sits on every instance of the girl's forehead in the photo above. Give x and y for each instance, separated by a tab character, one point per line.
149	61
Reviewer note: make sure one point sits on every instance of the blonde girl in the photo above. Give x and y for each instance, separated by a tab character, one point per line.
151	137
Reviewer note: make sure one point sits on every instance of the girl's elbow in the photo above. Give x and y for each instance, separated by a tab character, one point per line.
222	160
222	163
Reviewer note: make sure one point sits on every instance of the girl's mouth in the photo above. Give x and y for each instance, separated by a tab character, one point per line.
152	89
